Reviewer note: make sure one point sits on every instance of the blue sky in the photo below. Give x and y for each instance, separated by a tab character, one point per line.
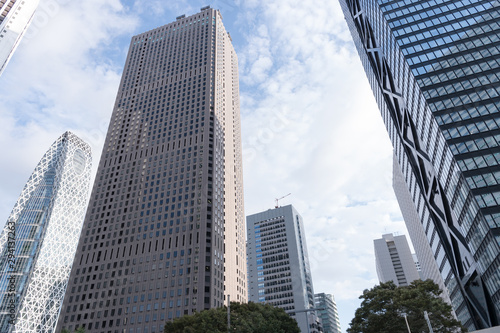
310	124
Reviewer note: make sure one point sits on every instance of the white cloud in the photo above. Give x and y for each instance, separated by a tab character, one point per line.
59	79
328	145
309	120
159	8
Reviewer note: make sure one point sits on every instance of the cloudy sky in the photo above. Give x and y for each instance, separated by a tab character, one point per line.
309	120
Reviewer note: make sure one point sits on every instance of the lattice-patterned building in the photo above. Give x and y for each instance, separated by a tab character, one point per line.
15	18
434	68
39	240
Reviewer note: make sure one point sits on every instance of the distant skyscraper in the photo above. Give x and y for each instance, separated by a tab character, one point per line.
329	316
15	17
394	260
278	264
434	67
164	232
38	242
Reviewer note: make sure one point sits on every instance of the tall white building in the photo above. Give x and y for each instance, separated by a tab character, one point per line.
39	240
394	260
278	265
15	17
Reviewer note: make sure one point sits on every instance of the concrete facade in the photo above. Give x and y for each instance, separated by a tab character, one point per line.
394	260
164	233
278	264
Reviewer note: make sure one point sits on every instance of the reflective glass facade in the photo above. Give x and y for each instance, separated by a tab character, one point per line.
329	316
39	240
15	18
434	69
164	232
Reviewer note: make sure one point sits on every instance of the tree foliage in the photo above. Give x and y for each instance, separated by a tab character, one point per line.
245	318
383	307
78	330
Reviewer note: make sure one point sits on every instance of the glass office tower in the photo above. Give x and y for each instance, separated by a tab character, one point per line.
164	232
15	18
434	70
39	240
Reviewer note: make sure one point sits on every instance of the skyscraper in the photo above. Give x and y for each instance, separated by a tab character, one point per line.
434	70
15	18
394	260
164	232
278	264
38	242
328	314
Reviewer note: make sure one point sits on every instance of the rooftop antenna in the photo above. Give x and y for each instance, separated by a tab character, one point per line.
278	199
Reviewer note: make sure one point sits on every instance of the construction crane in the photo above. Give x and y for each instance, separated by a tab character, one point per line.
278	199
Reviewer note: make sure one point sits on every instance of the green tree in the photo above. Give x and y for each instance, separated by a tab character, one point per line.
78	330
383	307
245	318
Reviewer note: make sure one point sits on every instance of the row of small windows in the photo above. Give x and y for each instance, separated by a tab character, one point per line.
485	142
488	200
469	129
450	44
205	15
467	113
284	298
492	279
268	232
269	226
433	28
493	220
398	9
271	252
486	255
435	14
469	98
479	162
272	246
165	66
460	57
456	87
174	88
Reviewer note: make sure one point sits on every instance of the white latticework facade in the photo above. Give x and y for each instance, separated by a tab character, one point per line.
47	219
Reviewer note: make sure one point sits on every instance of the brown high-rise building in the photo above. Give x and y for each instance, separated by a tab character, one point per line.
164	232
